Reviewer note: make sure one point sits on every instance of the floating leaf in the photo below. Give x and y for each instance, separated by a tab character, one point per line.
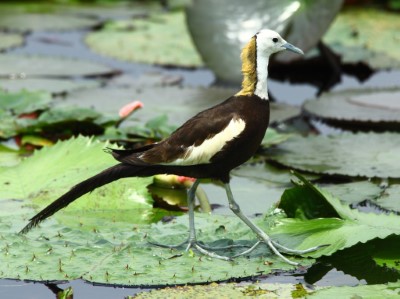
390	199
23	102
229	290
366	35
273	137
10	40
54	86
367	108
8	157
140	40
363	154
101	236
320	219
354	192
387	291
31	66
43	22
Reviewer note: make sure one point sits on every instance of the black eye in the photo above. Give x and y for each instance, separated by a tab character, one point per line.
275	40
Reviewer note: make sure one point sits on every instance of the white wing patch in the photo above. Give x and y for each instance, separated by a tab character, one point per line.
202	153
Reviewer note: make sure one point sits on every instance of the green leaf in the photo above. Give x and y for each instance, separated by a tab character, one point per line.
8	157
367	108
273	137
55	169
386	291
114	252
31	66
366	34
140	40
102	236
354	192
53	85
363	154
344	227
228	290
390	199
24	101
10	40
44	22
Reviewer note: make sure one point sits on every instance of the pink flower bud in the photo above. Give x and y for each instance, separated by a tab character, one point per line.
128	109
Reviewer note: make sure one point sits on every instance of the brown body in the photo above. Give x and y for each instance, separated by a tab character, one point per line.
204	126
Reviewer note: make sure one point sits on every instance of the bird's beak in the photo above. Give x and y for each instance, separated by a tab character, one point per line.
292	48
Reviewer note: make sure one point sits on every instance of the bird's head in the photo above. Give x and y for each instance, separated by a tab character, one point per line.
255	56
270	42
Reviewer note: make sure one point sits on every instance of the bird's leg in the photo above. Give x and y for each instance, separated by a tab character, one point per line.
192	240
263	237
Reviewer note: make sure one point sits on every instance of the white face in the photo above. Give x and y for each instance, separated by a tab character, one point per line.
270	42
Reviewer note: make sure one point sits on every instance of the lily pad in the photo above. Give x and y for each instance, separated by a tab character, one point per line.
8	157
32	66
39	22
354	192
387	291
364	154
372	109
390	198
139	40
93	10
366	35
14	108
229	290
221	28
101	237
53	86
319	218
10	40
23	102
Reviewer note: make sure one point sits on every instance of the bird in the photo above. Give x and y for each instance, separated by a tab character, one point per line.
208	145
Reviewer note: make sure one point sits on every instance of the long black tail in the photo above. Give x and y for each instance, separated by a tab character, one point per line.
107	176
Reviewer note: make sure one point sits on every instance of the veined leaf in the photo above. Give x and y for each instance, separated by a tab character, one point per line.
362	154
342	228
102	237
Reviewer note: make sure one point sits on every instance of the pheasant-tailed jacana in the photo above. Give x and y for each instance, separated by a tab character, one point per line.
209	145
